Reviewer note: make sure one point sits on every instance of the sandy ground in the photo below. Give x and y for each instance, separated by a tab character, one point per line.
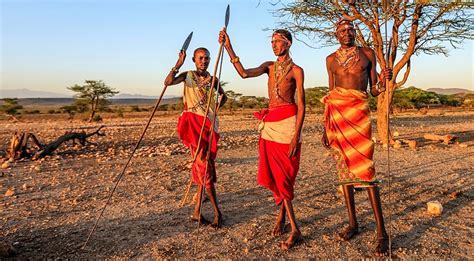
57	200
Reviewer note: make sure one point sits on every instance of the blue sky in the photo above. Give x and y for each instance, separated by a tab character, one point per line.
132	44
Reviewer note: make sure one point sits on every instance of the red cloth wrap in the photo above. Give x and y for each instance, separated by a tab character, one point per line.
277	171
189	128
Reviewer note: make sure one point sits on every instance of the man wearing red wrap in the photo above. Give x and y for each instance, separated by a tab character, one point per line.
281	125
197	85
347	125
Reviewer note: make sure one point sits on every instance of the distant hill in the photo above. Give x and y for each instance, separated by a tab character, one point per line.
33	102
449	91
26	93
136	96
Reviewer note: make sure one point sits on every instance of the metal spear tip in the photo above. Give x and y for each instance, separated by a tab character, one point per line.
186	42
227	15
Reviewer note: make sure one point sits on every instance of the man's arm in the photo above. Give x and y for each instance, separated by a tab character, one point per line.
235	60
377	82
373	76
222	95
329	61
300	102
171	79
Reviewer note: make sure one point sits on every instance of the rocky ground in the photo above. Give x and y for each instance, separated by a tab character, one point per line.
48	207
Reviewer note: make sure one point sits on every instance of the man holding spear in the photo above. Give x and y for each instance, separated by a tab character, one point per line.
281	125
194	126
347	125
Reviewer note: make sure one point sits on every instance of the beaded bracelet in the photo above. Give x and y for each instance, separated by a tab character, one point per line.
235	60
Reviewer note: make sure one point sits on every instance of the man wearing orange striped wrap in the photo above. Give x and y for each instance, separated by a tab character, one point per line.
281	125
347	125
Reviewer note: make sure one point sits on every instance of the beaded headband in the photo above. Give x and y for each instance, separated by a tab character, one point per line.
279	36
344	24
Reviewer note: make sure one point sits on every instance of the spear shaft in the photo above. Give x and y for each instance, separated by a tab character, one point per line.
119	178
125	167
220	57
387	89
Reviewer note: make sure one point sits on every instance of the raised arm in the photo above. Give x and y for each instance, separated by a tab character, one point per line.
171	79
300	102
235	60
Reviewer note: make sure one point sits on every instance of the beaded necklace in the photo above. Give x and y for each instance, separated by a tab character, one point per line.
200	82
347	57
203	87
280	70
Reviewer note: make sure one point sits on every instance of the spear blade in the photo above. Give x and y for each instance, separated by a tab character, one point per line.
186	42
227	15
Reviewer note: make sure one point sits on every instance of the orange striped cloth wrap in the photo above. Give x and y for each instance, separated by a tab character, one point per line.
347	124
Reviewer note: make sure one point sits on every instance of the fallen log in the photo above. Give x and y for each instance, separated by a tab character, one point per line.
19	144
446	139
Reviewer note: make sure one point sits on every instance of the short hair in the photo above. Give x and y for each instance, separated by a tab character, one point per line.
285	33
200	49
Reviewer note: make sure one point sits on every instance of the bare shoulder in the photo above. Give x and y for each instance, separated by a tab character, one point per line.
330	57
297	69
367	51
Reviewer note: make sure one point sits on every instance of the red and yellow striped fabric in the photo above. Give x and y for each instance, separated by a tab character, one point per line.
347	123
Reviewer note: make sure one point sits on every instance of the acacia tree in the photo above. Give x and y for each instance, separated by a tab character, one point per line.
415	27
94	94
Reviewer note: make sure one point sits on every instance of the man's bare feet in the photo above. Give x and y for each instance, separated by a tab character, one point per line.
217	223
279	228
295	237
202	221
382	247
348	233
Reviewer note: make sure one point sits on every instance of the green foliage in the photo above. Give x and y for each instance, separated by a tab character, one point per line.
32	112
103	106
468	100
232	100
413	97
70	110
92	95
253	102
313	96
10	106
372	103
97	118
135	108
450	100
163	107
119	112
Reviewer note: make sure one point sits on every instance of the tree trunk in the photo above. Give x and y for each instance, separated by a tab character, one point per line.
91	117
383	130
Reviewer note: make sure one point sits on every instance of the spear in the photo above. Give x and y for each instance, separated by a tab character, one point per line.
386	4
183	48
211	131
227	16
